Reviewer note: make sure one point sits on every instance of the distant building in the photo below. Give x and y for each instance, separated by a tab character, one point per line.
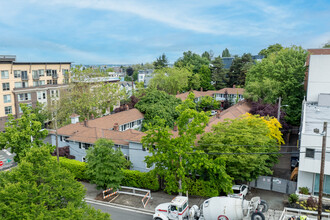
315	111
128	87
145	76
29	83
227	61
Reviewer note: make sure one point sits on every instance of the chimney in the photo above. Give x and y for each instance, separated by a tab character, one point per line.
234	86
74	118
126	107
175	127
92	116
201	89
116	127
218	114
85	122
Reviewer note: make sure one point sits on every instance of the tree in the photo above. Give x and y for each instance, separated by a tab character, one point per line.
281	74
208	55
129	71
158	103
236	140
326	45
171	80
271	49
205	76
176	157
40	112
191	61
225	53
22	133
238	69
104	164
219	73
43	190
161	62
207	103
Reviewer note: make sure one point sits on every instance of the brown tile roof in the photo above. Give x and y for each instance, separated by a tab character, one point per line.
234	91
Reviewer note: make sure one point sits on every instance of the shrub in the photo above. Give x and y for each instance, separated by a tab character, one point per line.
293	198
135	178
202	188
77	168
311	202
304	190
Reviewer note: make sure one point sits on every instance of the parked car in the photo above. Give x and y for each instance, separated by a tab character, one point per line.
213	112
239	191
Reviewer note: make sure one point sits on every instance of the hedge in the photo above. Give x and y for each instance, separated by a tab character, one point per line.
134	178
202	188
76	167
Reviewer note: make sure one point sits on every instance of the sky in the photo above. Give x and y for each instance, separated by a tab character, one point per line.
131	32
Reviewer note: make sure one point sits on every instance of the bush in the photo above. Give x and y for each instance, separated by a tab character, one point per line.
293	198
311	202
202	188
135	178
304	190
77	168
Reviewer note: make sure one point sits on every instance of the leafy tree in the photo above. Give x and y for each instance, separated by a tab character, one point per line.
40	112
176	157
191	61
205	76
207	103
238	69
236	140
161	62
171	80
281	74
225	53
43	190
158	103
194	82
271	49
127	78
208	55
219	73
22	133
326	45
129	71
104	164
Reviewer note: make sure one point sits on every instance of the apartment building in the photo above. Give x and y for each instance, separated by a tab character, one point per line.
315	111
29	83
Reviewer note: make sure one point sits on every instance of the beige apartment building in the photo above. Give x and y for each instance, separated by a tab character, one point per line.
29	82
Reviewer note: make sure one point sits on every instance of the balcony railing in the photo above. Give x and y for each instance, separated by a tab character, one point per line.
35	76
24	77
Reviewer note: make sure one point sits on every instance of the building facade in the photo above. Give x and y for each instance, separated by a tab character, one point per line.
28	82
315	111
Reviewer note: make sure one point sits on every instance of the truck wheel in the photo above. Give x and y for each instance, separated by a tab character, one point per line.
263	206
157	219
257	216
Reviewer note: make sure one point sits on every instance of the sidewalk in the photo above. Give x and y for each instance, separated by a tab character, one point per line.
161	197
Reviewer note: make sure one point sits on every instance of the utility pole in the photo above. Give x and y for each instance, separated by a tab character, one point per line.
180	181
56	136
279	109
324	141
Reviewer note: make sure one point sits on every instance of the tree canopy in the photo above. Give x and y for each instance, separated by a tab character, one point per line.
105	164
219	73
192	61
175	156
274	48
22	133
236	140
238	70
281	74
205	78
161	62
225	53
40	189
158	103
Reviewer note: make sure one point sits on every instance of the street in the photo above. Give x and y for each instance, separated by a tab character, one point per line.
119	213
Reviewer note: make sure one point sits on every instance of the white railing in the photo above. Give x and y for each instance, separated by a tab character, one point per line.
312	215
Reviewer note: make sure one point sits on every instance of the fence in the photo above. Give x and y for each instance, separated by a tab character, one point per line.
312	215
274	184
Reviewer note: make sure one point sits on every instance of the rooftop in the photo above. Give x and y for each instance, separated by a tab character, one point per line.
183	96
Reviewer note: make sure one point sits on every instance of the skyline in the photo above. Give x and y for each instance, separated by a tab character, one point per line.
131	32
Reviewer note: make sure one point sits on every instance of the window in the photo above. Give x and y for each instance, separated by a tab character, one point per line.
83	159
65	72
17	73
139	121
36	83
54	73
41	95
55	81
41	72
25	84
5	87
35	74
49	72
24	97
79	145
4	74
24	75
6	99
8	110
61	138
310	152
54	93
49	82
18	85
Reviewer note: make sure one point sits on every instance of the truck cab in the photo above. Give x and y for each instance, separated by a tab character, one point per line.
177	209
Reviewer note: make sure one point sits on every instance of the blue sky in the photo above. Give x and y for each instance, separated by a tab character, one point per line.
128	32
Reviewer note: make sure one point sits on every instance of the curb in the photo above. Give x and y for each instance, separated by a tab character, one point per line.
119	206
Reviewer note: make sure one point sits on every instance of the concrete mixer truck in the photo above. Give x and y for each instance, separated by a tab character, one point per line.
215	208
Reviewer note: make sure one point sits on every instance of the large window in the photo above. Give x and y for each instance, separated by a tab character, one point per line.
54	93
24	97
5	87
18	85
24	75
49	72
41	95
6	99
49	82
4	74
41	72
35	74
17	73
310	153
8	110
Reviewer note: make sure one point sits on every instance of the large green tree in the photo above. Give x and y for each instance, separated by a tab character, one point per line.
208	55
40	189
238	69
161	62
274	48
176	157
158	103
171	80
192	61
105	164
225	53
281	74
22	133
248	145
207	103
219	73
205	76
